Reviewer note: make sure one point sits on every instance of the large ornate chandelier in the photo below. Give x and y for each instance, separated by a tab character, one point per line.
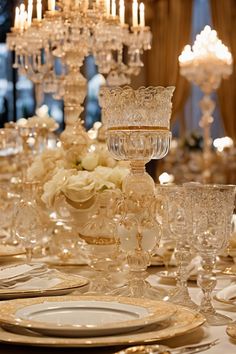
50	50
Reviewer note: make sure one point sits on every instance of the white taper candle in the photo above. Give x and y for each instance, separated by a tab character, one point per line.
135	13
122	12
142	15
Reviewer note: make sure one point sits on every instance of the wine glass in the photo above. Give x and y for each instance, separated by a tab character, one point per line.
27	223
176	224
210	210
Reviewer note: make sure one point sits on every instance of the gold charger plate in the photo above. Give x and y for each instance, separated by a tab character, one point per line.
68	284
183	322
230	270
56	261
171	275
10	251
231	330
231	252
231	301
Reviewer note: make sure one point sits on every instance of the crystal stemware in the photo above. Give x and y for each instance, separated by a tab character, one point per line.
28	224
210	210
176	225
137	123
100	243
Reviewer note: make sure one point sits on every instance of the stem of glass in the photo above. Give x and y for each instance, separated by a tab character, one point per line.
183	258
207	282
29	253
181	295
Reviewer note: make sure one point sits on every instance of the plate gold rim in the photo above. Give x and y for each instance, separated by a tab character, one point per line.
223	301
12	254
186	321
231	330
161	274
68	282
159	311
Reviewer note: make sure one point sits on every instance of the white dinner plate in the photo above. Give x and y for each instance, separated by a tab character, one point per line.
74	316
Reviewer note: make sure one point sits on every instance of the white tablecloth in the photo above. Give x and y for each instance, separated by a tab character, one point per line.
206	333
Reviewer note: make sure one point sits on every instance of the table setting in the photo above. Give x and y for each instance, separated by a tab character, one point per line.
115	298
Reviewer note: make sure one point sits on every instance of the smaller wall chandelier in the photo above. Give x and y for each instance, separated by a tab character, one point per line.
205	64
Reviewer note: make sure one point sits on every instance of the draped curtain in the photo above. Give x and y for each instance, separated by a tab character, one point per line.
171	27
224	21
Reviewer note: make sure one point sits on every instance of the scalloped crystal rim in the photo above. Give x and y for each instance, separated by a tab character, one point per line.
129	92
145	106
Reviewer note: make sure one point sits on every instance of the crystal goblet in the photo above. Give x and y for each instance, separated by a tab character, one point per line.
177	225
137	123
210	209
28	225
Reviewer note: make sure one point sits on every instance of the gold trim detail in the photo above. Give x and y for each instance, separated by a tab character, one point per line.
142	128
99	241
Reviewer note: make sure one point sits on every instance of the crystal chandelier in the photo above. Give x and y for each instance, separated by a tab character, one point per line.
205	64
50	50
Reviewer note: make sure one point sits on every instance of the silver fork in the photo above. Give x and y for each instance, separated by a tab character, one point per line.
162	349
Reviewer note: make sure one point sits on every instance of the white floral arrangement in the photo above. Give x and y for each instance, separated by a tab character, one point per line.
78	169
40	121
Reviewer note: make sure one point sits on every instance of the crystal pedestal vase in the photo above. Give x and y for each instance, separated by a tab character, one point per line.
100	243
137	124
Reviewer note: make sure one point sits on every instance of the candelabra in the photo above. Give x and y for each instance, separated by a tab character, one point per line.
66	36
205	64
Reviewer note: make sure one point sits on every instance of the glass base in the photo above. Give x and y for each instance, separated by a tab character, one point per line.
102	283
140	289
181	297
216	319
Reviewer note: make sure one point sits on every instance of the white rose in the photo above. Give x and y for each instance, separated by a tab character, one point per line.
102	172
117	175
105	158
80	187
102	178
44	165
102	184
54	186
90	161
36	171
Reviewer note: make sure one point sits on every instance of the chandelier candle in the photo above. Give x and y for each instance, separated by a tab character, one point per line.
113	8
51	5
135	13
122	12
30	12
39	10
17	18
142	15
